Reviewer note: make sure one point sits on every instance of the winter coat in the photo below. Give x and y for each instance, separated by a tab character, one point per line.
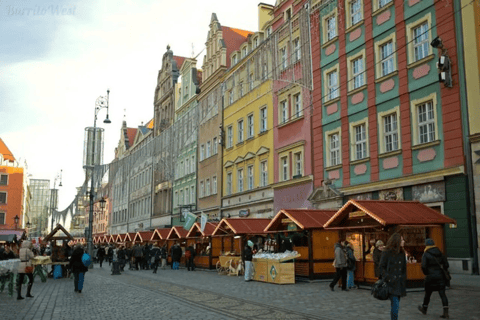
192	252
176	253
340	257
121	254
247	254
76	264
101	253
163	253
137	252
434	275
155	253
25	256
351	257
393	268
377	254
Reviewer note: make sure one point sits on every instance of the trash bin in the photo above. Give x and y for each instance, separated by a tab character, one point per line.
115	268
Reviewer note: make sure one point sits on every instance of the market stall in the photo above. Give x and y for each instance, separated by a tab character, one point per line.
362	222
176	234
202	242
57	235
302	231
233	234
159	236
276	268
143	237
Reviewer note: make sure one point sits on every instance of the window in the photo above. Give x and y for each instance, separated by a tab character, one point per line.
234	59
334	149
250	177
240	180
284	168
390	132
420	41
331	27
192	193
2	218
192	169
202	189
263	119
332	85
207	188
386	58
297	105
426	122
250	128
240	90
244	52
355	12
360	141
214	185
357	70
176	199
3	197
230	97
187	196
283	58
255	43
269	31
181	198
297	158
283	111
265	71
229	183
296	50
229	136
240	131
383	3
187	166
209	148
250	81
202	152
3	179
214	146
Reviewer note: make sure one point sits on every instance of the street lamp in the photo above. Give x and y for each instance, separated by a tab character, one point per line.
53	201
16	221
100	103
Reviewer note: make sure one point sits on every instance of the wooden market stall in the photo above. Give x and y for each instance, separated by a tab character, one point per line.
105	239
360	221
159	236
120	239
302	231
112	239
59	233
143	237
176	234
233	233
202	242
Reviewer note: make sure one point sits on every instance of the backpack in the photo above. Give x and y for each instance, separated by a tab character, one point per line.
86	259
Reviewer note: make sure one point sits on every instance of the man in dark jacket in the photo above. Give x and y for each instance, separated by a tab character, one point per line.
155	257
176	256
110	254
78	268
101	255
163	256
137	254
433	265
121	257
189	258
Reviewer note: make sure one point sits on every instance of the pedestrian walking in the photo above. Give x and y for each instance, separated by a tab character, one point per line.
340	264
189	258
110	254
176	256
78	268
377	254
434	267
393	268
101	255
25	268
351	265
121	257
163	255
94	252
137	254
247	259
155	257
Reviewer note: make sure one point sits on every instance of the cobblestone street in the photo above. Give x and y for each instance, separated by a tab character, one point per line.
206	295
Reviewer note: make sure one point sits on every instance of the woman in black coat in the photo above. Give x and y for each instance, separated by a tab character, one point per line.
78	268
393	269
432	263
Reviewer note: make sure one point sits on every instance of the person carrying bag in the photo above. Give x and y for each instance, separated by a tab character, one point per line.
25	268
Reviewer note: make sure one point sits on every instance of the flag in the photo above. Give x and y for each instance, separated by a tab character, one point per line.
203	221
190	219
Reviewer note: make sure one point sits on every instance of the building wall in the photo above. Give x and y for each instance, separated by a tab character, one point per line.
14	196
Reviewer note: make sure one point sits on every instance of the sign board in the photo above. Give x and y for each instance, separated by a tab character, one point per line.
391	194
244	213
203	221
429	192
190	219
355	214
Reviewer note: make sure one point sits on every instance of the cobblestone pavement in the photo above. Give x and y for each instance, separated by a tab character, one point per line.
187	295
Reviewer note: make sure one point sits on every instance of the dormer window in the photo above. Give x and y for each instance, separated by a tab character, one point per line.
234	59
288	14
255	42
269	31
244	52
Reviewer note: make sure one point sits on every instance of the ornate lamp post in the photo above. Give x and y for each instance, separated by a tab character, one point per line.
16	221
100	103
53	198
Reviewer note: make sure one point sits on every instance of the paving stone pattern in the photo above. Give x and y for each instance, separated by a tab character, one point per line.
179	294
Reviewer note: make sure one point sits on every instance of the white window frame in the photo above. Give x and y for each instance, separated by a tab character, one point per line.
229	183
208	150
412	57
187	196
250	177
297	105
192	194
263	119
332	85
383	3
356	70
193	164
383	133
214	146
386	58
284	112
240	180
355	12
421	41
426	122
298	163
330	26
250	126
240	131
333	152
431	123
250	81
359	142
230	136
285	168
381	59
207	187
283	58
297	53
214	185
202	152
202	189
264	173
390	135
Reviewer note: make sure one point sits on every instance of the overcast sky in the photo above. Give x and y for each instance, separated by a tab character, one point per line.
57	57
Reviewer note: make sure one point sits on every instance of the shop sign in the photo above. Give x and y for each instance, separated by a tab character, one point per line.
244	213
391	194
430	192
292	226
355	214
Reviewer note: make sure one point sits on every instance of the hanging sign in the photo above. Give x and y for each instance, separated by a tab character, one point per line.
203	221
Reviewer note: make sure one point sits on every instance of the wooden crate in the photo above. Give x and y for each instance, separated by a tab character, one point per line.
281	273
260	267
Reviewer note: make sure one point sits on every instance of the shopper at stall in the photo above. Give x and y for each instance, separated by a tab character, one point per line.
121	257
189	258
393	268
137	254
247	259
163	255
25	268
377	254
434	266
340	264
8	254
176	256
155	253
351	261
101	255
78	268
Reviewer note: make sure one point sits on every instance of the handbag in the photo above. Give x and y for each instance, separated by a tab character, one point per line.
380	290
447	275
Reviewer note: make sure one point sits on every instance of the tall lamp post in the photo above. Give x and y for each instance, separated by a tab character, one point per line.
100	103
53	198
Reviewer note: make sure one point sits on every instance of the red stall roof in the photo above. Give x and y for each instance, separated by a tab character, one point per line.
390	213
305	219
242	226
120	237
143	236
160	234
130	236
195	231
177	232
